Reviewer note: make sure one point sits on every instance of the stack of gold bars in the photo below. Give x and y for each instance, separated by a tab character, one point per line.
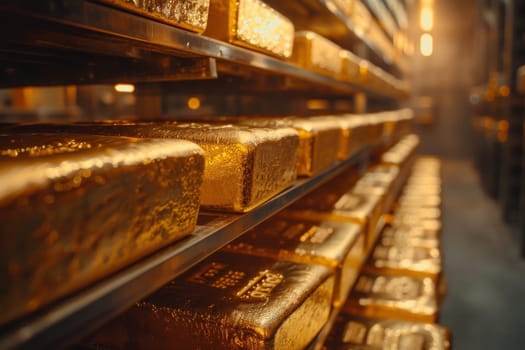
282	283
84	200
256	26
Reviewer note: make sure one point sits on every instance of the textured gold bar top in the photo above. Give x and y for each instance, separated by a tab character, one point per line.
352	331
330	202
253	24
319	140
405	259
400	152
74	208
187	14
245	166
338	245
234	301
412	236
315	52
401	297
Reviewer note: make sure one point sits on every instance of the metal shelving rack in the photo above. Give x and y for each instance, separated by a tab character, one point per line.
59	42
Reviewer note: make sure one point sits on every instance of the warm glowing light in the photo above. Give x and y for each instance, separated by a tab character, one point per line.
317	104
426	44
194	103
504	90
129	88
426	21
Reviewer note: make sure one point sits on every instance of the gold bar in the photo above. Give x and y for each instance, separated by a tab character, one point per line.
314	52
337	245
251	24
400	297
350	70
188	14
244	166
328	204
75	208
319	140
232	301
360	134
411	236
352	331
405	259
423	213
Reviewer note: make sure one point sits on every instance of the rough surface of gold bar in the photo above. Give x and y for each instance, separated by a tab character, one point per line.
401	297
252	24
244	166
365	209
352	331
74	208
314	52
406	259
318	140
187	14
232	301
338	245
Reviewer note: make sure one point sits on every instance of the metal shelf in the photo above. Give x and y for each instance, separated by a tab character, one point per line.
80	42
79	314
325	18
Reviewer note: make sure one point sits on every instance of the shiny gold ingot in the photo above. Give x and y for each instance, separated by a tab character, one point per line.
364	209
244	167
346	129
352	331
337	245
314	52
319	140
399	297
402	154
187	14
75	208
430	226
233	301
349	67
252	24
423	201
409	236
356	134
402	258
423	213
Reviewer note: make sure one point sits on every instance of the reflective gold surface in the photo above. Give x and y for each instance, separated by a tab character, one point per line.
356	332
337	245
413	260
319	140
364	209
349	67
401	297
312	51
400	152
234	301
187	14
74	208
244	166
253	24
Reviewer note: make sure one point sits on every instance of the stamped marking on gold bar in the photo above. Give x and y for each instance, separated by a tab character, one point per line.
261	286
214	275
